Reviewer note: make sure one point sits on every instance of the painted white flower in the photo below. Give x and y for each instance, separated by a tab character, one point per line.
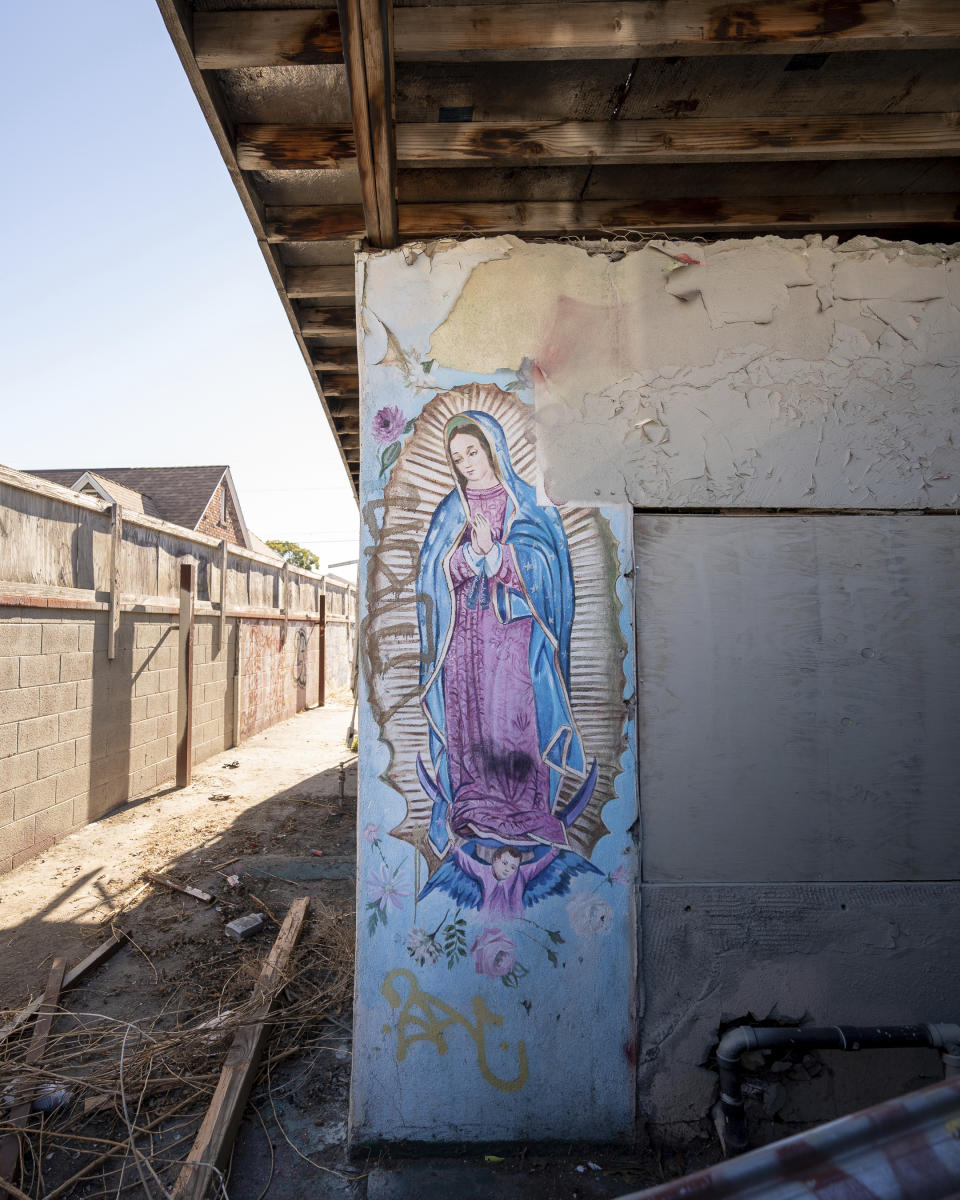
589	915
423	947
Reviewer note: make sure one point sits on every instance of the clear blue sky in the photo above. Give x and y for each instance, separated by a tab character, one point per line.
138	322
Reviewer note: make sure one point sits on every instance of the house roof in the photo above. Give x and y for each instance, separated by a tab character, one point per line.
562	118
178	494
130	499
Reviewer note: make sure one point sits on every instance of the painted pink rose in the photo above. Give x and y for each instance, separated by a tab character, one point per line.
589	915
388	424
494	954
370	832
621	875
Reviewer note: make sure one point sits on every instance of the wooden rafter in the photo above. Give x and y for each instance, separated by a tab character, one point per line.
340	386
699	214
366	29
575	30
330	285
335	358
575	143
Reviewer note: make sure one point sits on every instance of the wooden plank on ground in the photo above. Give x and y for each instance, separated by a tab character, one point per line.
20	1109
268	38
335	285
608	143
212	1146
366	30
196	893
575	30
72	977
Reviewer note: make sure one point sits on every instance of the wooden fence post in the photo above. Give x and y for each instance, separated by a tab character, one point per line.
285	601
238	685
223	594
188	589
116	539
322	639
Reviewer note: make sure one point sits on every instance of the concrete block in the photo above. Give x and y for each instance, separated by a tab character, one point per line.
105	797
38	847
143	731
84	693
147	683
84	750
35	796
149	634
168	680
59	637
9	673
18	836
76	666
8	739
154	751
73	783
78	723
39	668
158	705
86	635
166	724
60	697
19	704
143	780
20	638
6	808
51	760
41	731
54	822
166	770
18	770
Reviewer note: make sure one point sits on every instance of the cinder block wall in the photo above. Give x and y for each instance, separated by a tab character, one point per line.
79	733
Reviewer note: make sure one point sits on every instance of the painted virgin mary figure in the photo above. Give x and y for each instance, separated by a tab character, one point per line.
495	610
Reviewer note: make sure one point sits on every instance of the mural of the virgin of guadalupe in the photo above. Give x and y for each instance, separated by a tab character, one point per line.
495	611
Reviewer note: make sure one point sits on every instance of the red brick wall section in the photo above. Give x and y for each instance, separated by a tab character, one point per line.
210	522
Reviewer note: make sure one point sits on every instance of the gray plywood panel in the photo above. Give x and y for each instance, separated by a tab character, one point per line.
800	697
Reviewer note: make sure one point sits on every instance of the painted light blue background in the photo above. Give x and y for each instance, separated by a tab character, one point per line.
575	1015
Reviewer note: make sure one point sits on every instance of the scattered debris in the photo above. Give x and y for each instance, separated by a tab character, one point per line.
244	927
318	853
203	897
233	880
20	1108
218	796
104	951
228	863
231	766
210	1151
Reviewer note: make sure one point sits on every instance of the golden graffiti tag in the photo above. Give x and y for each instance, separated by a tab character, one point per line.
433	1018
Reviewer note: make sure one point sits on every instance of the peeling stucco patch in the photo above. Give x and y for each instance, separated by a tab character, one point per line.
738	282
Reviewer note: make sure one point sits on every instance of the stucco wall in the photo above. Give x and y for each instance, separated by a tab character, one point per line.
797	674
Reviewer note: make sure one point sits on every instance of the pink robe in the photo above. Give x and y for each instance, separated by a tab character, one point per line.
499	783
502	897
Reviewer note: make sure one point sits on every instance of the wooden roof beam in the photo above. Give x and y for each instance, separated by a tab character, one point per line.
574	30
366	27
327	322
344	387
330	286
607	143
335	358
682	214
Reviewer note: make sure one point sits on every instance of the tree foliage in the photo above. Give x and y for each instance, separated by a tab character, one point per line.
297	556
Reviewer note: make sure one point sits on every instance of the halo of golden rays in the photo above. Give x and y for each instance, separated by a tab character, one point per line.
418	482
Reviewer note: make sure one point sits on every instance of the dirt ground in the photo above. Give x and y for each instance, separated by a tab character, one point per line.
130	1047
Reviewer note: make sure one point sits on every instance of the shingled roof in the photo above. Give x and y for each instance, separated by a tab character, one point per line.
178	494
